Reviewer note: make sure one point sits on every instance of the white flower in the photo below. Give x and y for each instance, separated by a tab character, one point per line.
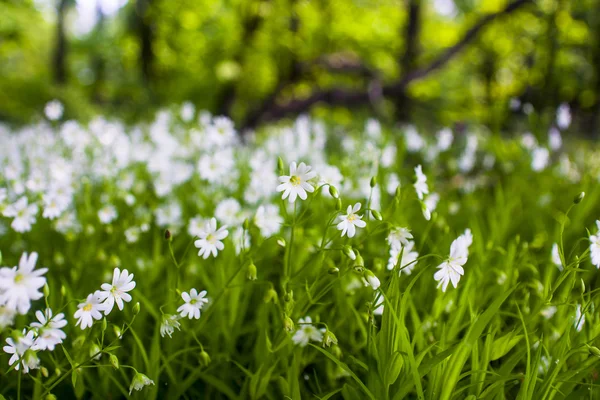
421	183
399	237
7	317
22	353
229	212
528	141
107	214
444	139
579	318
139	381
556	256
414	141
268	220
54	110
563	116
18	286
89	310
595	246
452	269
48	330
554	139
122	283
296	183
429	205
369	279
210	241
23	214
187	111
194	302
407	263
539	158
307	332
351	221
195	225
169	324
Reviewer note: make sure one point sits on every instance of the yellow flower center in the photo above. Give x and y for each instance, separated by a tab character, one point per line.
87	307
18	278
351	217
295	180
193	301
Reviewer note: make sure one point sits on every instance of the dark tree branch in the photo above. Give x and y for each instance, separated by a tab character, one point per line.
357	97
60	52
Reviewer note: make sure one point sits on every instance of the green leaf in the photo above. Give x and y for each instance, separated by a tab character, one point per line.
504	344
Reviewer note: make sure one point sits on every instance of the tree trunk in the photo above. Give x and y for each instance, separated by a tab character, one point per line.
60	51
146	56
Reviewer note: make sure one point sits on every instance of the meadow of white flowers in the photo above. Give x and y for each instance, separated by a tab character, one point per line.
179	258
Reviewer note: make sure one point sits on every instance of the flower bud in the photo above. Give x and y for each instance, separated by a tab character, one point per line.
376	215
118	332
288	324
280	166
271	296
95	351
578	198
136	308
114	361
329	339
359	264
333	270
104	324
334	192
50	396
373	182
168	236
139	381
57	372
594	350
349	252
44	372
46	290
398	192
204	358
281	242
371	279
251	272
0	258
63	291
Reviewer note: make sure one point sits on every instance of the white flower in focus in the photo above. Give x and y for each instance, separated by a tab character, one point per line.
116	292
452	269
139	381
89	310
22	353
595	246
194	302
23	214
307	332
210	241
268	220
563	116
169	324
19	286
48	330
296	183
556	257
370	279
351	221
421	183
54	110
107	214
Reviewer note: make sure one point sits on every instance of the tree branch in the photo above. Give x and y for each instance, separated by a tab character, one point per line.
357	97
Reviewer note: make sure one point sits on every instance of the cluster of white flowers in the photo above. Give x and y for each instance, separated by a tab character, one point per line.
452	269
402	253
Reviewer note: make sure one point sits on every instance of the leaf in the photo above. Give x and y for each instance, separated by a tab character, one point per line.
504	344
326	397
350	393
393	368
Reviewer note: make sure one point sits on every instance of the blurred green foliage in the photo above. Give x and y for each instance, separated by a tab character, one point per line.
229	56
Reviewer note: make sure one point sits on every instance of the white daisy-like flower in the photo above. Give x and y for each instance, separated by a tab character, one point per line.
20	285
48	330
307	332
420	184
210	241
169	324
349	222
407	262
21	351
194	302
452	269
107	214
369	279
23	214
89	310
7	317
116	292
399	237
563	116
296	183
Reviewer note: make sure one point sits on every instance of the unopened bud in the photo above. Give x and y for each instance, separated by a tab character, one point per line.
50	396
329	339
46	290
63	291
0	258
582	286
271	296
288	324
251	272
136	308
118	332
349	252
594	350
377	215
578	198
114	361
398	192
281	242
333	270
204	358
280	166
359	264
104	324
58	372
373	182
334	192
168	236
371	279
44	372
